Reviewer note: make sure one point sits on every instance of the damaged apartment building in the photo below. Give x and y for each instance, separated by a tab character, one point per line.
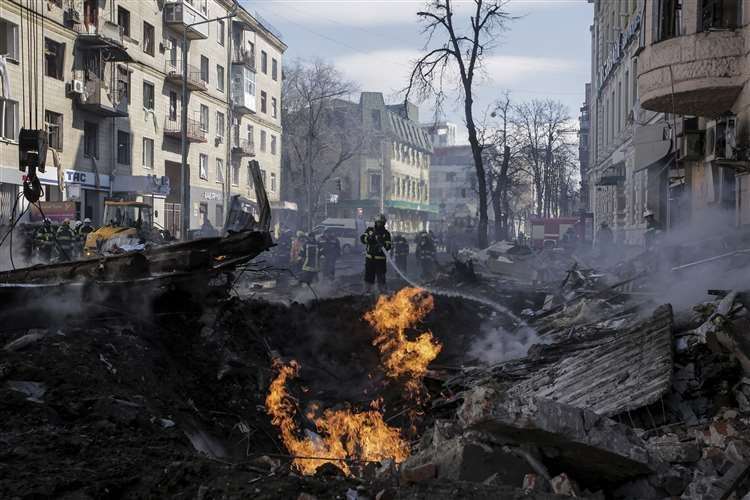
668	114
627	145
112	76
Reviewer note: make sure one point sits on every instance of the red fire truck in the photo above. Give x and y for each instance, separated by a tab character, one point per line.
550	229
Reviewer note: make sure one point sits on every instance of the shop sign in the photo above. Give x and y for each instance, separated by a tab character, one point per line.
211	195
56	211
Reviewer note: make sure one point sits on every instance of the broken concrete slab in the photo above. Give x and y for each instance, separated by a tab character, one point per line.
629	371
669	448
590	447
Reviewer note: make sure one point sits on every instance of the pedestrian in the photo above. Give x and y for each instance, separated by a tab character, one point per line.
377	241
400	252
330	251
310	259
426	255
570	239
65	239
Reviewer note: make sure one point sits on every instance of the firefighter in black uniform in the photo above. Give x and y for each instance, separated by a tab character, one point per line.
310	254
426	254
330	251
377	241
400	252
44	239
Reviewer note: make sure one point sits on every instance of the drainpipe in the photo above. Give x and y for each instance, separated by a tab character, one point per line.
229	120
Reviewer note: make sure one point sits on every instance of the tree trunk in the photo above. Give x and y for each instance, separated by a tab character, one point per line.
476	151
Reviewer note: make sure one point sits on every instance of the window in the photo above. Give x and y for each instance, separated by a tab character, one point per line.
123	20
374	187
202	213
220	34
264	62
203	166
9	39
668	19
173	52
123	147
172	105
274	107
263	140
204	68
91	140
249	177
219	124
263	176
204	118
625	96
273	182
148	96
123	84
148	38
236	174
273	144
263	99
274	69
54	122
720	14
376	119
8	119
219	170
220	77
219	215
54	58
250	134
148	153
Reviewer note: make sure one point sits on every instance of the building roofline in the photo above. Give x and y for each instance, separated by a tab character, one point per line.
256	21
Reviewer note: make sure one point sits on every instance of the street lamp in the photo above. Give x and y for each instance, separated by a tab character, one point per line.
184	185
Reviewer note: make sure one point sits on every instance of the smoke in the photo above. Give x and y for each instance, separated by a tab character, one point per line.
496	344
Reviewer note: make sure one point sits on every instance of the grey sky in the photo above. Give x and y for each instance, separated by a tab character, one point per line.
545	53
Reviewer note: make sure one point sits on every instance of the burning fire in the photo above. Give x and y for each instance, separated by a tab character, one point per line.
403	358
341	434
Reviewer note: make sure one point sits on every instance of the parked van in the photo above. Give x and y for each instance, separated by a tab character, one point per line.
346	230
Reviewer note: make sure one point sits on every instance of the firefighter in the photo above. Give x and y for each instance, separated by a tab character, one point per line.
310	258
295	252
44	240
377	241
330	251
65	239
426	254
85	228
400	252
652	229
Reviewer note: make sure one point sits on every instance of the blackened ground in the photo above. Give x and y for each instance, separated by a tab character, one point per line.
123	396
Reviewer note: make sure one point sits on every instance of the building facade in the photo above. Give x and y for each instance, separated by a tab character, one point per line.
627	145
694	66
453	185
111	73
442	134
392	174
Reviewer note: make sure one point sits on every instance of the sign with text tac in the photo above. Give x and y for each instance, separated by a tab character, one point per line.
56	211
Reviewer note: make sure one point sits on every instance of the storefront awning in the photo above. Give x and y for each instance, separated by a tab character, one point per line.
652	143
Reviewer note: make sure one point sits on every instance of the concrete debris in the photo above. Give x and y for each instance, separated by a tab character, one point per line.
25	340
418	474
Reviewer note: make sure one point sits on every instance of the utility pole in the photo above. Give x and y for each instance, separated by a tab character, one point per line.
184	177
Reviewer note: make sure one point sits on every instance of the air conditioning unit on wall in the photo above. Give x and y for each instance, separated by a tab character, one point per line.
75	87
721	138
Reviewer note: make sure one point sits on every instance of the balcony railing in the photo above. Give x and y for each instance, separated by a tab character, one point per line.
241	55
243	147
106	35
194	78
180	14
98	98
193	133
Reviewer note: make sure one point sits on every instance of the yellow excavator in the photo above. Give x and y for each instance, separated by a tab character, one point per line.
129	225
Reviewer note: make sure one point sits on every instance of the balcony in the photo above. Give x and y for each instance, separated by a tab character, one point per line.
180	14
243	147
243	89
108	36
98	98
705	70
194	80
194	132
242	56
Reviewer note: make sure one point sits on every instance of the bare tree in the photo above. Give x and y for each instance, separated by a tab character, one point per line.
450	50
542	126
320	137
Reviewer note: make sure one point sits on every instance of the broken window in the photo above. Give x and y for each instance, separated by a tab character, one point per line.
172	105
720	14
263	101
123	20
148	38
54	123
9	39
123	147
91	140
668	18
54	57
8	119
203	166
204	118
123	84
148	96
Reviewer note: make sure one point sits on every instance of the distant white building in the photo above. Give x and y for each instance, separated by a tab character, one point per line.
442	134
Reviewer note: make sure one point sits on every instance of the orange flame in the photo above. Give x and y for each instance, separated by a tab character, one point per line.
342	434
403	358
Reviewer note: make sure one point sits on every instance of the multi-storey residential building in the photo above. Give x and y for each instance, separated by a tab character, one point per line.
453	184
442	134
627	149
694	65
112	100
392	174
584	129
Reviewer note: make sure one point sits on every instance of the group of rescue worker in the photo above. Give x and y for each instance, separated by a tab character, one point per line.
62	243
311	255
